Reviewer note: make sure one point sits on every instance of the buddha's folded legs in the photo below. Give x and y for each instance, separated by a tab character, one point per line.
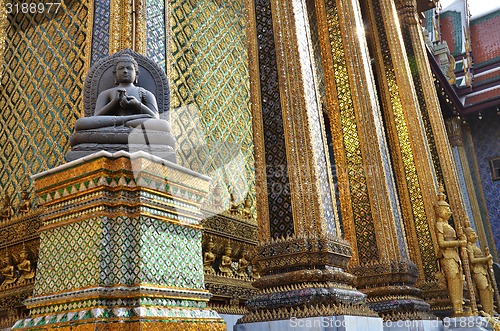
97	122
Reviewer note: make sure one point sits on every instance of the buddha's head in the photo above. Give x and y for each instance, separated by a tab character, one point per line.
126	69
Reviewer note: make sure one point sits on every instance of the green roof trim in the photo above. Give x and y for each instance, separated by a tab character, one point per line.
487	62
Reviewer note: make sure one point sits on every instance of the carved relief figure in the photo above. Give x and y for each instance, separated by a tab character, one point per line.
448	255
480	263
243	263
24	266
209	259
234	209
217	202
5	208
247	208
7	270
25	205
225	265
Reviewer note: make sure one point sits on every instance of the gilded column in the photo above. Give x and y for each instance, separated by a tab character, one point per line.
127	26
441	151
301	252
412	160
415	170
370	212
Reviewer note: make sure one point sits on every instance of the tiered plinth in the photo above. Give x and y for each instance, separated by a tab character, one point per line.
304	286
120	247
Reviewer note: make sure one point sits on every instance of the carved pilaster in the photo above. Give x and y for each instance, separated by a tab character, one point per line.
407	10
437	131
303	261
412	160
457	134
372	221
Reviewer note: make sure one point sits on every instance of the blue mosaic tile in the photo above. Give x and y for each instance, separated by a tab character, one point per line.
100	37
155	48
486	137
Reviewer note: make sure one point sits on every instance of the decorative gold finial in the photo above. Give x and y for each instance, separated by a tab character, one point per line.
441	196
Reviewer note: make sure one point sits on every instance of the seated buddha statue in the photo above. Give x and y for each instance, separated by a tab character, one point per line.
25	205
125	117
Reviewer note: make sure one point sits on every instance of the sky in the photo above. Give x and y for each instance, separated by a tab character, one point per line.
477	7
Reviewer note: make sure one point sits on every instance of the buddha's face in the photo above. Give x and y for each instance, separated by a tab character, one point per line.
125	72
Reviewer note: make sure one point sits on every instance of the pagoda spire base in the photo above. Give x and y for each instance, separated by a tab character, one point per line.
120	247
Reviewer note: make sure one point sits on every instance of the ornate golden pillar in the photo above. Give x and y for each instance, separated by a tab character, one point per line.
127	26
369	203
441	151
432	117
301	252
416	170
412	160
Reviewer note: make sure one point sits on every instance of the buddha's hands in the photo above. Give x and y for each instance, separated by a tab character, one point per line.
120	94
130	102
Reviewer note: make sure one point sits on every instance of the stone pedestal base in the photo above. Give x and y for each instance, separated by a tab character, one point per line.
414	325
120	247
324	323
471	323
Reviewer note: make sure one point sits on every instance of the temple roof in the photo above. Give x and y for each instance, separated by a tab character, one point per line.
474	44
